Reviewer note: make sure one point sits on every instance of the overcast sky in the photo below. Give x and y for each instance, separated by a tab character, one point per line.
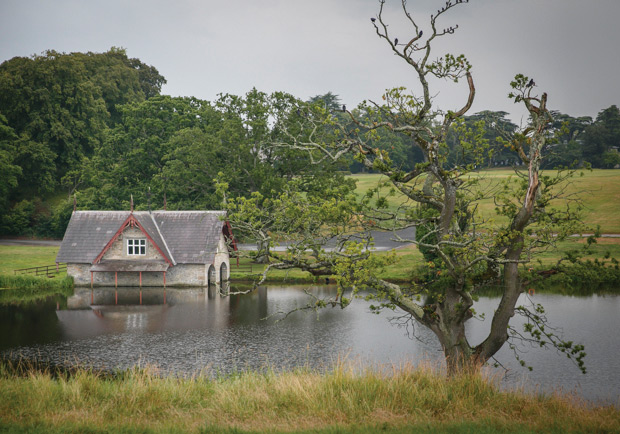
310	47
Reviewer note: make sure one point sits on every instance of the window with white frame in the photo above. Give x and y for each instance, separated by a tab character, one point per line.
136	246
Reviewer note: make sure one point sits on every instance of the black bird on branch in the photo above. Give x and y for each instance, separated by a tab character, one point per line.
344	108
373	19
395	41
531	83
420	34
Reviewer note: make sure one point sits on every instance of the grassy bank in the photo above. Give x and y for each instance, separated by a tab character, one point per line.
408	257
343	400
24	289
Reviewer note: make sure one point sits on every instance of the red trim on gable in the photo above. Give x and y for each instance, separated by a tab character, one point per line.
131	220
161	252
227	230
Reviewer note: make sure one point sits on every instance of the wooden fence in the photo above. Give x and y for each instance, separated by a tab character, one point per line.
43	270
245	268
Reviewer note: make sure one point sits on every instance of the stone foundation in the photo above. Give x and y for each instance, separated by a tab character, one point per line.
180	275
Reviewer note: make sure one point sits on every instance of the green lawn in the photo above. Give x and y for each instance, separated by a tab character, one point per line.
599	190
15	257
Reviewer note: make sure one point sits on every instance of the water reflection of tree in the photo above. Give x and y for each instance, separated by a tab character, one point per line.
28	324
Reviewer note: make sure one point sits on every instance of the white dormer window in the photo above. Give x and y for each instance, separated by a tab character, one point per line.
136	246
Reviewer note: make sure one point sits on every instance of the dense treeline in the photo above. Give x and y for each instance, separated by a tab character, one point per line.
578	141
55	110
96	126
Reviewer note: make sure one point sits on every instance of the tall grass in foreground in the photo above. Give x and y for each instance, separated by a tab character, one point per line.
341	400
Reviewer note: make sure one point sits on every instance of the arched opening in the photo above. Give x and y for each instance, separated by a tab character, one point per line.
211	275
223	272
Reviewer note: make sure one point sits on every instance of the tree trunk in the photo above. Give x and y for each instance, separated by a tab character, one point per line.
505	311
452	314
262	252
457	351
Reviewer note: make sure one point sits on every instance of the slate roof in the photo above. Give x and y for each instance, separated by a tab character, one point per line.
186	237
191	236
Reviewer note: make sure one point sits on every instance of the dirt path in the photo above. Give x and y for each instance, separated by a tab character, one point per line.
22	242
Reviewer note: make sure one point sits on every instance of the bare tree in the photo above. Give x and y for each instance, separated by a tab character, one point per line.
465	249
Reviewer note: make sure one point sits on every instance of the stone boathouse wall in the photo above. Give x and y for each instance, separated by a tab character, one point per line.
179	275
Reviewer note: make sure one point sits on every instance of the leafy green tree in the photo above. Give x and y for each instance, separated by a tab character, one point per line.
65	102
58	108
329	101
178	147
134	153
470	250
250	166
9	169
611	159
19	219
37	167
602	135
229	148
120	79
190	168
51	105
494	127
567	150
265	171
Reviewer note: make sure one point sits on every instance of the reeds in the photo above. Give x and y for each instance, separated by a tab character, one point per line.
20	289
344	399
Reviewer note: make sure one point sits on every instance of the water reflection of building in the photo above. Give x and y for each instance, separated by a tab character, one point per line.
109	310
199	326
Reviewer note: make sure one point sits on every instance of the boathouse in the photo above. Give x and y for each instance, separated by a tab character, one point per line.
143	248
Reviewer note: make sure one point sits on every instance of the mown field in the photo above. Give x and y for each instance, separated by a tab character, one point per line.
345	399
599	191
18	257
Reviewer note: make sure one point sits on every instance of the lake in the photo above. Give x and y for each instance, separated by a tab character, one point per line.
183	331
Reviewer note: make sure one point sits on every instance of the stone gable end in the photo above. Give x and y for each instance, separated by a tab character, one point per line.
221	257
118	250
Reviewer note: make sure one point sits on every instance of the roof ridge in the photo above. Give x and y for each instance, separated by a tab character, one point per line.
96	211
174	262
93	211
210	211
